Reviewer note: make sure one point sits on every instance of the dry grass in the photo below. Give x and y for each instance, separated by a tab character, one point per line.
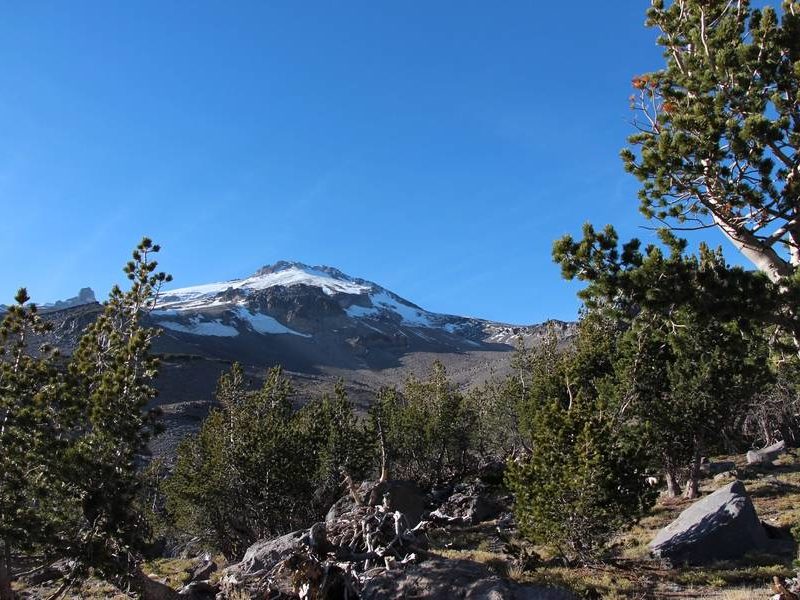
633	575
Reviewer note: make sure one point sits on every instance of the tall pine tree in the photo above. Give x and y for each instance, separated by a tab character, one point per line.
112	372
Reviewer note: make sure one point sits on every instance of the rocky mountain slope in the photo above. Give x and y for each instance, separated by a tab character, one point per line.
318	323
311	317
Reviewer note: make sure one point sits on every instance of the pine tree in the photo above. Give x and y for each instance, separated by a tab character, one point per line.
112	372
719	126
429	430
690	380
695	353
37	420
340	445
583	479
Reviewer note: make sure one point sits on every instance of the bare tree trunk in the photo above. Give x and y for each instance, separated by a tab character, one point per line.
692	484
765	258
6	593
673	489
382	441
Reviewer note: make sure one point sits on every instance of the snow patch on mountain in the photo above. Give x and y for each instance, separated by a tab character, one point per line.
410	315
383	301
265	324
198	327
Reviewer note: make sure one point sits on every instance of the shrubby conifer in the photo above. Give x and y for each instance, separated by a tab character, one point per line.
259	468
37	421
72	438
583	479
428	430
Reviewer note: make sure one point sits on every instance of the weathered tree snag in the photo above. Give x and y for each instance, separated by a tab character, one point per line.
382	442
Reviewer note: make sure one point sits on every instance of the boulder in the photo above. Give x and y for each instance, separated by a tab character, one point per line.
346	503
470	504
398	495
201	572
199	590
765	456
262	556
395	495
723	525
720	477
443	579
709	468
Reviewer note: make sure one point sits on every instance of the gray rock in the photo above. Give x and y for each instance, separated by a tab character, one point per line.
715	468
766	455
202	571
467	509
723	525
199	590
261	556
346	504
733	474
398	495
443	579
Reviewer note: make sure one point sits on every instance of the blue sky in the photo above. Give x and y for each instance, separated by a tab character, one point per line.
437	148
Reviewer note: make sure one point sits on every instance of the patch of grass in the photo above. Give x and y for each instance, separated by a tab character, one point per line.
172	571
478	556
609	582
724	575
742	594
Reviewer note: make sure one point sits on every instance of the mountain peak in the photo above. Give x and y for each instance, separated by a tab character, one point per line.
281	265
319	270
281	274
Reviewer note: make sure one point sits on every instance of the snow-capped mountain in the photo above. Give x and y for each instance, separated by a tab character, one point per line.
294	299
318	323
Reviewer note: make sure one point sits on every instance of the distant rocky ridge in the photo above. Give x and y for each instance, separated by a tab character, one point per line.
85	296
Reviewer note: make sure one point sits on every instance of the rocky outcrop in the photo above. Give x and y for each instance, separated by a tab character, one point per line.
723	525
363	536
85	296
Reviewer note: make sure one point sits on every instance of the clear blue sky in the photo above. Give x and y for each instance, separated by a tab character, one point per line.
437	148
